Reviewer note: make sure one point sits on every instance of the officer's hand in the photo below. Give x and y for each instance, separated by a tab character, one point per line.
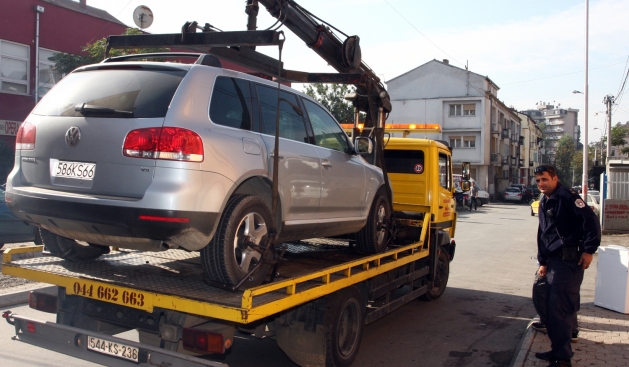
586	260
541	271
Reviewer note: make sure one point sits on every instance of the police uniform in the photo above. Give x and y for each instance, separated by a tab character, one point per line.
567	228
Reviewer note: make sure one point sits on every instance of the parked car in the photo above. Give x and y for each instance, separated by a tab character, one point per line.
483	196
157	155
512	194
522	187
592	202
12	228
535	204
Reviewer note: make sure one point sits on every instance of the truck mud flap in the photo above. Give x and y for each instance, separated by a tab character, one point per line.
73	342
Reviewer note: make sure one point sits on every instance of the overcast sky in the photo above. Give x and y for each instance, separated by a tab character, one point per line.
533	50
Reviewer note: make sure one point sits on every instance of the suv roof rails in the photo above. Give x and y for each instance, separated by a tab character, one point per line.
202	59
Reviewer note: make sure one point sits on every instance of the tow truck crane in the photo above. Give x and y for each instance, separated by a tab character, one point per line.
316	310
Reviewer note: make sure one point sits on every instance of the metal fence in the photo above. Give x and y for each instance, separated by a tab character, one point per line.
618	182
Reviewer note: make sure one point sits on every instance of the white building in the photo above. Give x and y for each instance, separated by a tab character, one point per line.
480	128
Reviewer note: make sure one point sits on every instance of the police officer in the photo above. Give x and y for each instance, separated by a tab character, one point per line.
568	235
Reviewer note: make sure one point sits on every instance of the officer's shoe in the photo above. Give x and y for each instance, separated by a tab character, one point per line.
539	326
560	363
575	336
545	356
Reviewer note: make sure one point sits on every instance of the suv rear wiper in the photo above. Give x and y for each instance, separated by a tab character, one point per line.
91	110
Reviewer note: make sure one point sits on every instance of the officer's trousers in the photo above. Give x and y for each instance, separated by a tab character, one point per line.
540	301
564	280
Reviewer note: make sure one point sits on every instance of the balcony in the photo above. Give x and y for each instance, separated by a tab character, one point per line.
514	160
521	140
505	160
496	159
521	163
496	128
505	134
531	163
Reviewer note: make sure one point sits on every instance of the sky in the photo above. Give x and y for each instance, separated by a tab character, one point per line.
533	50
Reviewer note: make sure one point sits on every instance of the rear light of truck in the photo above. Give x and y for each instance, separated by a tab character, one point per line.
42	302
169	143
196	340
25	139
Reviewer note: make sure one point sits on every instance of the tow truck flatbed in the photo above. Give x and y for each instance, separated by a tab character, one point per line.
173	279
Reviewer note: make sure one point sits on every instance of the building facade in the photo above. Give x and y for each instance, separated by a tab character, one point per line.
556	122
480	128
531	151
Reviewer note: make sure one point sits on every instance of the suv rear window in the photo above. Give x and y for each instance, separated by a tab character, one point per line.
131	93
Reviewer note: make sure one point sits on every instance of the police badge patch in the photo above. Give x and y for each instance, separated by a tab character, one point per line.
579	203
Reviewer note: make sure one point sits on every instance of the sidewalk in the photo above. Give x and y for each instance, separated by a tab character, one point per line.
603	336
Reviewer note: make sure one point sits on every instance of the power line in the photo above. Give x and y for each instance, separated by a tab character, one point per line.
411	24
622	91
120	11
619	87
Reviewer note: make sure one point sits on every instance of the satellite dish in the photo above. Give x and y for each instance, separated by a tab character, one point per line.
143	17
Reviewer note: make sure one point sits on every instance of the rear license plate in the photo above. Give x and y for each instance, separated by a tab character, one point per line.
113	349
79	170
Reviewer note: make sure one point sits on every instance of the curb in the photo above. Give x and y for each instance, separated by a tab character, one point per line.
21	297
524	347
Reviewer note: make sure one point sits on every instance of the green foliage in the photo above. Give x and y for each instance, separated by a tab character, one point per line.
65	63
618	136
563	159
625	150
331	96
7	158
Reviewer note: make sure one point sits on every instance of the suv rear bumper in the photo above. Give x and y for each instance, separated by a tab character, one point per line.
193	230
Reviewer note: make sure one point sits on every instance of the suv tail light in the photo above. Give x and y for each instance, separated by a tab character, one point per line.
171	143
25	139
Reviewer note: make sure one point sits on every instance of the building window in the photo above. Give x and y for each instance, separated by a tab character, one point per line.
463	109
505	173
13	67
469	142
48	77
455	141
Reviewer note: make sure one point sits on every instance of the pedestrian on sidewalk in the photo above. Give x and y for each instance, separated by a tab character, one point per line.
473	195
567	236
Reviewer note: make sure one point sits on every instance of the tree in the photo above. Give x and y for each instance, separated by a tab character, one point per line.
563	159
332	97
65	63
618	136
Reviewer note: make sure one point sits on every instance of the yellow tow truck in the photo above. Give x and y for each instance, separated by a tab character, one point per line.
321	295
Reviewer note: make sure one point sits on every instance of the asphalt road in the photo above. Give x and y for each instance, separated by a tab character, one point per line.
479	320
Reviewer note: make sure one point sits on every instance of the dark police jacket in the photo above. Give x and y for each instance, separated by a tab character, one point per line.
565	220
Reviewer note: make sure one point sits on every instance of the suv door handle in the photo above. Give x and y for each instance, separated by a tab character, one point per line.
273	155
326	163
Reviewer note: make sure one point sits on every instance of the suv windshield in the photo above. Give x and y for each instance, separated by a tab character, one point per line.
125	92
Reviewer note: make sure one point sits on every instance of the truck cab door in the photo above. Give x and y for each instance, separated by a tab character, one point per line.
446	211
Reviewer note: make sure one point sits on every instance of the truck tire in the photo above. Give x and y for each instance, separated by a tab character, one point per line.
374	237
69	249
344	324
228	257
441	280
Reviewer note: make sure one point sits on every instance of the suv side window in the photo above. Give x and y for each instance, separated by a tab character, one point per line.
291	124
327	132
231	103
444	172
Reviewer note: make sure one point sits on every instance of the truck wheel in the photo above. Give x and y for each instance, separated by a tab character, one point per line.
229	256
344	323
71	250
443	273
373	238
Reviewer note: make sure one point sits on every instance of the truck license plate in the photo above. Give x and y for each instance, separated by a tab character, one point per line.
112	349
80	170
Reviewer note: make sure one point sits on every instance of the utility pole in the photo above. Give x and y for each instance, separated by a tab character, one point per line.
608	100
584	182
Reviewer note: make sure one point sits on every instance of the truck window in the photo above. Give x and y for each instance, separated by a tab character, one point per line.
231	103
444	171
404	161
291	124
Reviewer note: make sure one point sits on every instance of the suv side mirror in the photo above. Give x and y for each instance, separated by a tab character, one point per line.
466	171
363	145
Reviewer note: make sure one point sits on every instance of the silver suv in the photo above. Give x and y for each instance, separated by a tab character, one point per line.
155	155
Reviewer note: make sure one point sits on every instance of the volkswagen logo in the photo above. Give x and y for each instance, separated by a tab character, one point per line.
73	136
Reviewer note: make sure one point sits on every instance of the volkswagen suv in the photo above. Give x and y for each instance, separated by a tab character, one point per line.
154	155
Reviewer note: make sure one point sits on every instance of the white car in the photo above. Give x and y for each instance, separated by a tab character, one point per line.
483	196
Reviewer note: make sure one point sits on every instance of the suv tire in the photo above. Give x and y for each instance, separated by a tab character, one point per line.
374	237
69	249
228	257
